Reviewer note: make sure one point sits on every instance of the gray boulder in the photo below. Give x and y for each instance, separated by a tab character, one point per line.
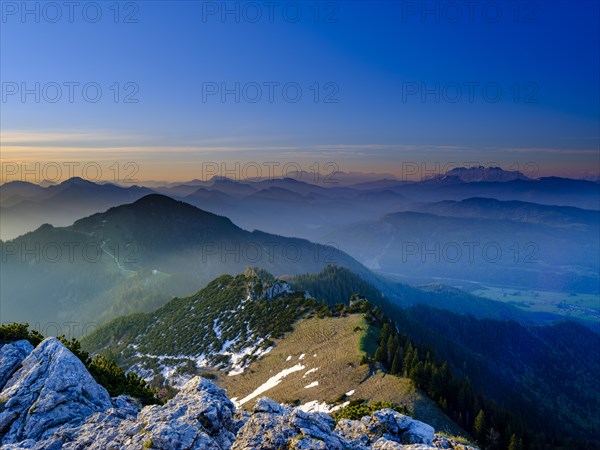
407	429
199	417
51	389
11	356
385	429
273	426
444	442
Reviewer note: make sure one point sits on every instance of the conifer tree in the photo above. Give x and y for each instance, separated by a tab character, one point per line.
390	350
396	363
378	355
514	443
479	427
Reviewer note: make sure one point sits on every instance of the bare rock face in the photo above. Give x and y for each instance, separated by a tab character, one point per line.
107	429
387	426
52	388
11	356
51	402
199	417
273	426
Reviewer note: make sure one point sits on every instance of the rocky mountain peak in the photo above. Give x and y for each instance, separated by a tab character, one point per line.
51	388
262	285
11	355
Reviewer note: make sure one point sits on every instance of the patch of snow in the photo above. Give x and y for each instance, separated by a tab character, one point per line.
301	357
271	383
168	371
146	374
228	343
311	385
236	360
235	372
338	407
310	371
349	393
289	358
262	353
217	329
201	361
315	406
160	358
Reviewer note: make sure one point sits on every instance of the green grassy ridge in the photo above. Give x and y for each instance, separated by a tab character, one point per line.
185	326
330	349
369	341
176	329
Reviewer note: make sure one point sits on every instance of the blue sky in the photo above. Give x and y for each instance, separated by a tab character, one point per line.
528	80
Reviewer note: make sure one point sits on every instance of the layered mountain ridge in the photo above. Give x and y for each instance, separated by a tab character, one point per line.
134	257
25	206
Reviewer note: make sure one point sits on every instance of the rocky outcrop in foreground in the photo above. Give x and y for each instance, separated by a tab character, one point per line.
50	401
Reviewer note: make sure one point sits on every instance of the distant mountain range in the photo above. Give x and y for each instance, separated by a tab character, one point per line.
26	206
135	257
287	206
479	174
516	211
330	179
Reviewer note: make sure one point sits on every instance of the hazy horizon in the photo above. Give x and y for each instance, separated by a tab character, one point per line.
240	172
354	84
